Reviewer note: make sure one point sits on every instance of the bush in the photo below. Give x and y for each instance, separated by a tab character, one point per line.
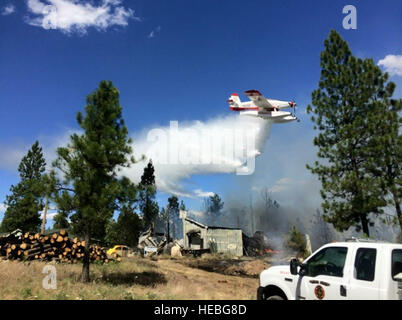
296	241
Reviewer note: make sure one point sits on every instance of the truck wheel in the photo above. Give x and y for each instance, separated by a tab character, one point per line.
274	298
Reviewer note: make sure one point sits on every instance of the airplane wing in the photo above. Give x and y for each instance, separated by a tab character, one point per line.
259	100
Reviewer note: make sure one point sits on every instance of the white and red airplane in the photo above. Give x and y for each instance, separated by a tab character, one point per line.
259	106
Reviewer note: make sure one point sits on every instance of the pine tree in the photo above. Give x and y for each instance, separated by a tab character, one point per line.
90	164
124	231
173	214
65	208
26	199
213	206
182	206
386	146
149	207
345	109
296	241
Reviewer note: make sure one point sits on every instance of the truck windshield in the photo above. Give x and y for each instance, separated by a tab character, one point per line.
329	261
396	262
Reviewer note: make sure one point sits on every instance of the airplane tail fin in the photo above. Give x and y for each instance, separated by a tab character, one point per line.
234	100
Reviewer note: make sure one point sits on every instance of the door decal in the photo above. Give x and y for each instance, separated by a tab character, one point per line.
319	292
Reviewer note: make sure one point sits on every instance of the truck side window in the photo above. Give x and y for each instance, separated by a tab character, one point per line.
329	261
396	262
365	264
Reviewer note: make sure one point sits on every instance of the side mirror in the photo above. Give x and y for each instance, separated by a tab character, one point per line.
294	263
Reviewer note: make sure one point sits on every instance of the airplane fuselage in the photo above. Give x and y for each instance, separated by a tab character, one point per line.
261	107
250	109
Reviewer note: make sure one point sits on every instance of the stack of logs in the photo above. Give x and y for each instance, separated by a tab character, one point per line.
57	246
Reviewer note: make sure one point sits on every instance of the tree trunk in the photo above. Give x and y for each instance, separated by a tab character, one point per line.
365	225
398	209
167	226
44	215
85	262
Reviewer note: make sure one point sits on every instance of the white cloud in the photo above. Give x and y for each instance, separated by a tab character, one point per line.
77	15
50	216
392	64
8	9
10	156
203	194
3	207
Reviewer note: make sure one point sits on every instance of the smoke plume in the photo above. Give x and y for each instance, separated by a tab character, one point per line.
224	145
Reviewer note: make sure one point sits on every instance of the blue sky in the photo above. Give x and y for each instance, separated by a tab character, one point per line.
179	60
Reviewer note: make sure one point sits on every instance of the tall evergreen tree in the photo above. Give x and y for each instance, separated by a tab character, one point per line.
65	208
344	108
26	199
213	206
173	214
90	164
182	206
295	240
125	230
149	207
386	147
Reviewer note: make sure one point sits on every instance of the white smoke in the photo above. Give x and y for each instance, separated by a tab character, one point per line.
223	145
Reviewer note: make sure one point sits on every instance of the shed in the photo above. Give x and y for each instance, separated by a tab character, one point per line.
218	239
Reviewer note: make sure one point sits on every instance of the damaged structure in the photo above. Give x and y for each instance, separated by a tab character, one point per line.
197	236
150	243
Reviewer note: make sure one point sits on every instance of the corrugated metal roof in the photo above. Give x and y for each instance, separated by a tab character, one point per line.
209	227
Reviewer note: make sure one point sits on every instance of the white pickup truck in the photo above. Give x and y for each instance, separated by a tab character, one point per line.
350	270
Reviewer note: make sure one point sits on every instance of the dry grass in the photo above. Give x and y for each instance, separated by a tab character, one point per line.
134	278
227	265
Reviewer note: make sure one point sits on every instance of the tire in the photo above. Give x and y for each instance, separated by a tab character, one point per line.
275	298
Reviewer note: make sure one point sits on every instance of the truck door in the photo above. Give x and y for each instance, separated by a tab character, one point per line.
364	283
322	276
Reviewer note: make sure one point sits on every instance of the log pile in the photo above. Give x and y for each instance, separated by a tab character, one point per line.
56	246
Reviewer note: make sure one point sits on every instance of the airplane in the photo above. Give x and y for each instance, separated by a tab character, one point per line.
259	106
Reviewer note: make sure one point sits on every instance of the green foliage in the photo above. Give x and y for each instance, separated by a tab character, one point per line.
213	206
91	189
124	231
26	199
173	213
173	206
148	206
296	241
61	221
386	149
26	293
349	106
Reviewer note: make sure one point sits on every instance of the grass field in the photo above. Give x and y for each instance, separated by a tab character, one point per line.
135	278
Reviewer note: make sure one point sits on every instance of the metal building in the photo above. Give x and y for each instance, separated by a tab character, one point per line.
217	239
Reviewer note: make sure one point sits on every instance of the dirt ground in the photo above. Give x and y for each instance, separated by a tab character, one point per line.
211	278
